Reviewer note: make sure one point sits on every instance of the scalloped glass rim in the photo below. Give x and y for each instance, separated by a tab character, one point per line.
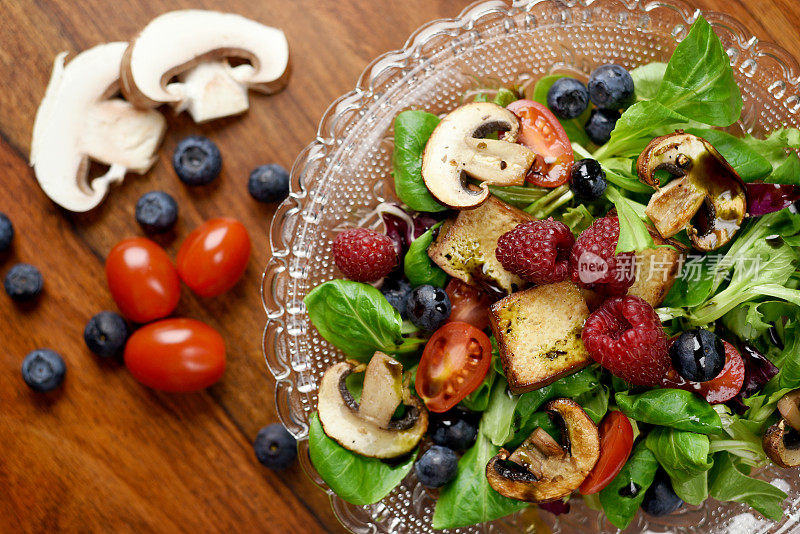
338	178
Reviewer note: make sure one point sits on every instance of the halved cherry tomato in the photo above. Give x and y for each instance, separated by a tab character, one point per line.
616	442
541	132
142	280
722	388
214	256
453	364
176	355
469	304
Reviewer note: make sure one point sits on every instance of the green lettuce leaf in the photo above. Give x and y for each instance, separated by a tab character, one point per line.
412	129
729	483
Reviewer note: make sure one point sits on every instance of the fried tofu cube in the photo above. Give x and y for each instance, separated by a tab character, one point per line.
538	332
656	270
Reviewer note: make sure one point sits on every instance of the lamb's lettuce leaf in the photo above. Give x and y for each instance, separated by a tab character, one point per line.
729	483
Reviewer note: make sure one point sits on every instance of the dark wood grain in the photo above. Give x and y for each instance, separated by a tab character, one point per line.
105	454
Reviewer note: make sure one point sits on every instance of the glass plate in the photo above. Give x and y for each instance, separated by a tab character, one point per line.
339	178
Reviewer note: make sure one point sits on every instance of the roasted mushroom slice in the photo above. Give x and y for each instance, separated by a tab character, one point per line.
457	149
789	406
543	470
367	428
782	445
707	197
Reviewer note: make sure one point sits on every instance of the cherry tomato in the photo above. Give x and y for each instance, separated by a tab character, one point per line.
176	355
616	442
453	364
541	132
725	386
214	256
470	304
142	280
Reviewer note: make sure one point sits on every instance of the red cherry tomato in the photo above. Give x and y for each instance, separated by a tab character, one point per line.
454	363
470	304
176	355
541	132
214	256
142	280
722	388
616	442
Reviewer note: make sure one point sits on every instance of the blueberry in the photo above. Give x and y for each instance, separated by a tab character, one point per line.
698	355
600	125
43	370
106	333
156	212
6	232
568	98
275	447
436	467
23	282
454	429
588	179
397	292
269	183
660	498
428	307
197	160
611	87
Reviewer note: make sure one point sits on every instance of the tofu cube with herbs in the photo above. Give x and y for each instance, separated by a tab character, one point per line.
656	270
538	332
465	246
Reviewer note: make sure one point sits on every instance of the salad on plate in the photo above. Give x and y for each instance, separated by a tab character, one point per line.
587	291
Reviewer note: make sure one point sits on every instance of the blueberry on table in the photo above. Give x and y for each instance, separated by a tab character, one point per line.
397	292
660	499
6	232
611	87
698	355
454	429
428	307
600	125
106	334
43	370
197	160
269	183
23	282
156	212
567	98
275	447
588	179
436	467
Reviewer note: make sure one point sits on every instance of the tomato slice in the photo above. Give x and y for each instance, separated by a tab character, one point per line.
470	304
454	363
616	443
722	388
541	132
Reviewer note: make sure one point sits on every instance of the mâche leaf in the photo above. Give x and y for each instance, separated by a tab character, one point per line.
748	163
647	79
674	408
412	129
633	233
729	483
685	458
623	496
418	266
637	127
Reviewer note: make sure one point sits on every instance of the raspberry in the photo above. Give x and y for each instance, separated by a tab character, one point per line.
594	263
537	251
624	335
364	255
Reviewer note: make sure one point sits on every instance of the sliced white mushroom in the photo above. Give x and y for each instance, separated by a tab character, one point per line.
195	45
78	121
457	148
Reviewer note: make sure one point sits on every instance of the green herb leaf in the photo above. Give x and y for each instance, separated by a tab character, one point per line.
478	400
748	163
573	127
674	408
729	483
578	218
356	479
412	129
637	127
519	196
685	458
504	97
595	403
694	284
469	499
499	416
699	82
418	266
647	80
633	233
619	504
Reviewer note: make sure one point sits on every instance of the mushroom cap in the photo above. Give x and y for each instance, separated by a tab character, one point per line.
78	121
789	407
175	42
456	148
778	450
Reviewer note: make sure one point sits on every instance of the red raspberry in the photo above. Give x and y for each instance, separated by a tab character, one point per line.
364	255
624	335
594	263
537	251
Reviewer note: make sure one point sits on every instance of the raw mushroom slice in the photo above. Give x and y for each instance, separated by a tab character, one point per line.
789	407
457	148
78	121
194	46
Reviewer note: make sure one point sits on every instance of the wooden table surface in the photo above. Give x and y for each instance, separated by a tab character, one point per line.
105	454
